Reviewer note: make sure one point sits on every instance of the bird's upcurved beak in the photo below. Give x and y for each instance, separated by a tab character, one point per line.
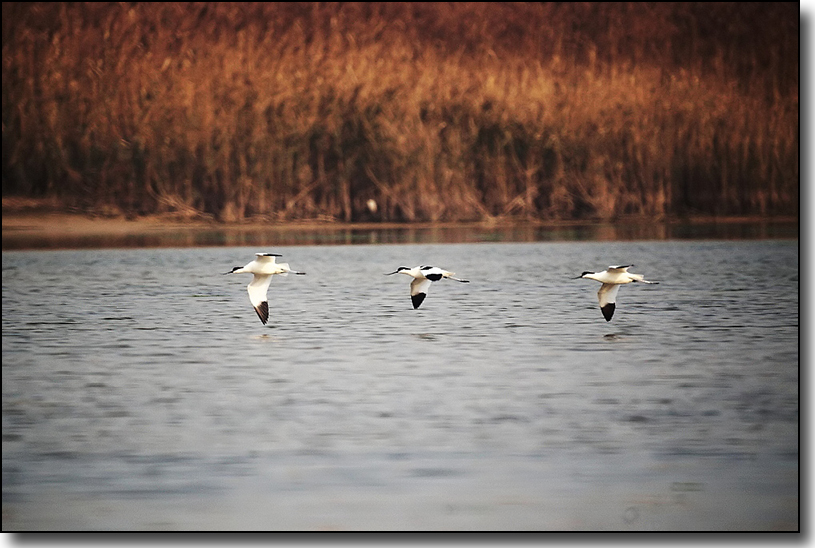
391	273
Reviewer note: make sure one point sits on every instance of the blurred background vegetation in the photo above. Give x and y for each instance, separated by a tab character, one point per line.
403	111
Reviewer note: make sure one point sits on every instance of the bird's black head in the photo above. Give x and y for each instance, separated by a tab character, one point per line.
233	270
398	270
584	273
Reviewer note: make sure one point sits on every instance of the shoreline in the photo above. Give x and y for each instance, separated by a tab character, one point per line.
45	229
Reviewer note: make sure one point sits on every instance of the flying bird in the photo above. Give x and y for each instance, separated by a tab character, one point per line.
263	268
612	278
423	276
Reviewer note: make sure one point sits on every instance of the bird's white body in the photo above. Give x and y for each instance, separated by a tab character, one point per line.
263	268
612	278
423	276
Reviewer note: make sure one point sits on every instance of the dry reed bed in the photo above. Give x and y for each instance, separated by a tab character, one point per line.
431	112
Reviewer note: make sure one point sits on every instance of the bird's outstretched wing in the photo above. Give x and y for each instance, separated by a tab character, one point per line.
257	295
418	290
266	257
608	299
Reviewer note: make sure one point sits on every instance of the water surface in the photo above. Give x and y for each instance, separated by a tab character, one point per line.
140	390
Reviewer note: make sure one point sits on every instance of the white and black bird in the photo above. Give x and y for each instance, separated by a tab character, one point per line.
612	278
423	276
263	268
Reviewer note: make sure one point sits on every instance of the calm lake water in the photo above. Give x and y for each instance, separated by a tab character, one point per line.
140	390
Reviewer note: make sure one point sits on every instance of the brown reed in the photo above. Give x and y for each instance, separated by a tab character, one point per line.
403	111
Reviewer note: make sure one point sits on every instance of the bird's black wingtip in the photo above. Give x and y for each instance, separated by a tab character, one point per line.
417	299
608	311
263	312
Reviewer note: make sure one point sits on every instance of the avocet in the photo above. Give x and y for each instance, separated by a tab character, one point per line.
263	268
612	278
423	276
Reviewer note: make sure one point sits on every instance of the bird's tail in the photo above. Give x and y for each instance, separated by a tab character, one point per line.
450	275
287	270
